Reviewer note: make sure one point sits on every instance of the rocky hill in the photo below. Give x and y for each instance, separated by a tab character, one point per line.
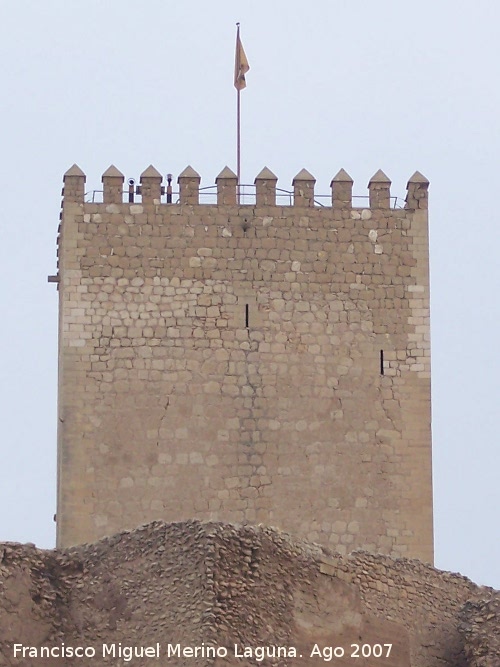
208	593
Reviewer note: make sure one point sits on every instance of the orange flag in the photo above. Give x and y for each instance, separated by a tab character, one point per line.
241	65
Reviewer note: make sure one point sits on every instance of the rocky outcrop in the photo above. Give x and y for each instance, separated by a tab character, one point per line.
481	631
220	589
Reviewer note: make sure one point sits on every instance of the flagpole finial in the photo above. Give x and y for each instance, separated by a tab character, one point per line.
238	24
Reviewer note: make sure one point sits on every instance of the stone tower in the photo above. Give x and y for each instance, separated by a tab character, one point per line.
261	363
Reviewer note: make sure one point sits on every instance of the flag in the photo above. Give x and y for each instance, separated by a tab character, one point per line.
241	65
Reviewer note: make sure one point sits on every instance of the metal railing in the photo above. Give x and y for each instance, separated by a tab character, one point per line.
208	195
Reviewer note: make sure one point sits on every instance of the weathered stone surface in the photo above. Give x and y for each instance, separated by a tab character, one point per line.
480	628
113	172
74	170
216	584
151	172
189	172
226	361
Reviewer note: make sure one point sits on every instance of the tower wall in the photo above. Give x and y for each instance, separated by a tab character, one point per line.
253	363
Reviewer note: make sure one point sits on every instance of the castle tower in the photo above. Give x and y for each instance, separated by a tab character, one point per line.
263	363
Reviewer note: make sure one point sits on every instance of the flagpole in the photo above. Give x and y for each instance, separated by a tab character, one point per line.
238	127
241	67
238	142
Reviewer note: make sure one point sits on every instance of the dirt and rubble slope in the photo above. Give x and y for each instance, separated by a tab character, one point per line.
166	586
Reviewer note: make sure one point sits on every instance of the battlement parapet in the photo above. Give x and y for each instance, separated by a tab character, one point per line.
379	188
112	180
189	186
303	188
417	192
227	192
227	185
341	186
74	184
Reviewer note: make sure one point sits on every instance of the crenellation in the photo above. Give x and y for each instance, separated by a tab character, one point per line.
151	191
417	192
379	189
227	183
303	189
151	188
112	181
74	185
265	188
341	185
189	186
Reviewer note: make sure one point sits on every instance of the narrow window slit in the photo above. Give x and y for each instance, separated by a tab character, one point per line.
247	316
381	362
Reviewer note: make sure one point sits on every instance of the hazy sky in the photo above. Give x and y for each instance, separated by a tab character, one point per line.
361	85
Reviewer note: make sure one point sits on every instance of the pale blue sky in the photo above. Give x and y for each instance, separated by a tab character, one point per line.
360	85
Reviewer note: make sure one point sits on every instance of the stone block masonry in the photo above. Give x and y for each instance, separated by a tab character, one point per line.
247	363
